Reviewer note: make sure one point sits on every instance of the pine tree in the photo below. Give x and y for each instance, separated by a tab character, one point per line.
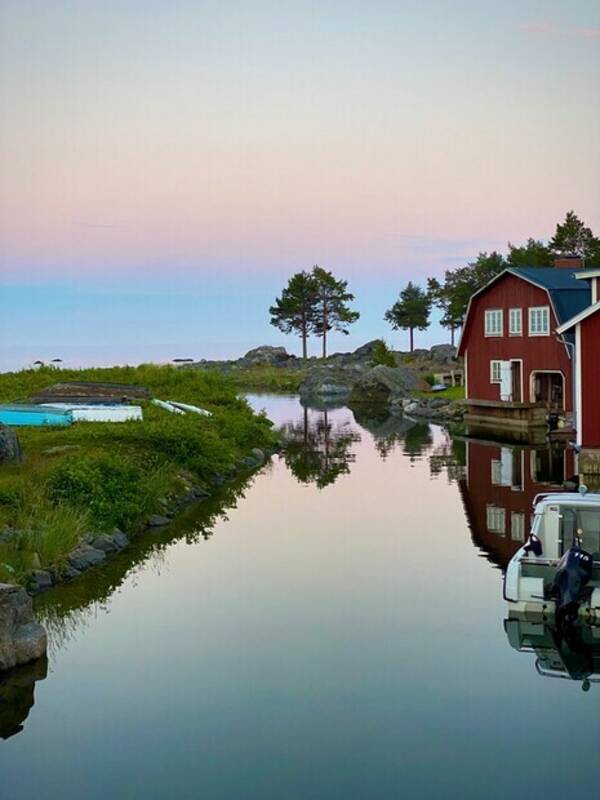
295	310
332	311
410	311
573	237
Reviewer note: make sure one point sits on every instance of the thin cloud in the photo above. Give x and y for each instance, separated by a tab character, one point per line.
550	30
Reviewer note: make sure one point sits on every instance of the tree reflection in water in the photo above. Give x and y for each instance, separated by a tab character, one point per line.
317	451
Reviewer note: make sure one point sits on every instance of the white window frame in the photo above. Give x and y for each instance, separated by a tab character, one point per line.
496	469
517	526
533	311
493	329
495	364
515	313
495	517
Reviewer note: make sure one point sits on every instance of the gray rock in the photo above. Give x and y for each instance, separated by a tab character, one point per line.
85	556
443	353
39	580
30	642
382	384
267	355
105	543
419	354
120	539
68	573
21	638
157	521
329	382
10	450
366	350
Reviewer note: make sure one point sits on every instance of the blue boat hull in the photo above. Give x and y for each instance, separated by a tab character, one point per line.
37	416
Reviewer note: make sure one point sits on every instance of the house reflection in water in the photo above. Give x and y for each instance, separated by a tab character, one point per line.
500	484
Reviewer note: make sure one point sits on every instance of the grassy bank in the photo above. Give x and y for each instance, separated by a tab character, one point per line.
95	476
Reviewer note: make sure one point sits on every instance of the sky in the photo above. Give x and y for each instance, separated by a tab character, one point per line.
165	167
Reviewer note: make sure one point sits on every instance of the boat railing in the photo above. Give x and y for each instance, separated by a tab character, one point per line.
548	672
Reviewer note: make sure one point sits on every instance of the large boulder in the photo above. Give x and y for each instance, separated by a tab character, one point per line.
382	384
22	639
10	451
443	353
267	355
366	350
328	382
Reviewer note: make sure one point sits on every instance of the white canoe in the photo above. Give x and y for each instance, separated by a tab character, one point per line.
194	409
167	406
99	413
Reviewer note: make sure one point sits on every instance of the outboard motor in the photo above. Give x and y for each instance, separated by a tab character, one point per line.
569	587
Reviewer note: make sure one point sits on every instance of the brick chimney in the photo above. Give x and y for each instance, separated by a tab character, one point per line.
568	262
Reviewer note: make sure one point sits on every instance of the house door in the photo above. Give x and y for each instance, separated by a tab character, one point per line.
516	381
505	381
548	389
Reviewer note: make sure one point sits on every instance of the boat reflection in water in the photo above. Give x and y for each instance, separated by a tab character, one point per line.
17	690
571	653
498	490
500	484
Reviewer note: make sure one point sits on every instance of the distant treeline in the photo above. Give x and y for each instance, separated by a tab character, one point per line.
316	302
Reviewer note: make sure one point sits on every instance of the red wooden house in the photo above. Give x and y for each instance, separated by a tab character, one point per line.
586	328
516	367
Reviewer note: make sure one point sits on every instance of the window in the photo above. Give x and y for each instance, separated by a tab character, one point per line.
582	524
496	472
539	321
517	526
496	519
515	322
495	376
493	322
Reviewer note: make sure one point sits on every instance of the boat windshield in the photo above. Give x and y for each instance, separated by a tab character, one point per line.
583	524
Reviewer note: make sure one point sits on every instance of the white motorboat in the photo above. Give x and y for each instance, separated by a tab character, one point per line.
556	574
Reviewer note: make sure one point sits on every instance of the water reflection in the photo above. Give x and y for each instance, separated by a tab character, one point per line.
17	689
71	607
498	489
572	653
318	450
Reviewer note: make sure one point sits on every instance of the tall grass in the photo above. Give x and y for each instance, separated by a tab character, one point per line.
44	533
97	475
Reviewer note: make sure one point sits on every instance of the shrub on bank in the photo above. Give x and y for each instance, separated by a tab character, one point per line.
114	491
94	476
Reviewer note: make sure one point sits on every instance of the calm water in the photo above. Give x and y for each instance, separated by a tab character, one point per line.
332	629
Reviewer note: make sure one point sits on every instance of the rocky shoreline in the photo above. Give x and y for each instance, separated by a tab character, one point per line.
96	548
356	379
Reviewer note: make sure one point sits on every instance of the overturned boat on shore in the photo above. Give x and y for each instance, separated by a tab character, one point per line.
556	574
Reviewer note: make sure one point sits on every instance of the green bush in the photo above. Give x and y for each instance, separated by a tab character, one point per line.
383	355
430	379
113	490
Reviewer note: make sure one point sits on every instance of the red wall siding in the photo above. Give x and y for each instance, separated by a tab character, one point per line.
590	380
478	492
537	352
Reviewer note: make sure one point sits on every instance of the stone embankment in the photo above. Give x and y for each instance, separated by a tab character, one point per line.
22	639
95	548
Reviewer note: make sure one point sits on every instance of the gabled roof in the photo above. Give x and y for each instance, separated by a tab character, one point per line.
567	295
587	312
